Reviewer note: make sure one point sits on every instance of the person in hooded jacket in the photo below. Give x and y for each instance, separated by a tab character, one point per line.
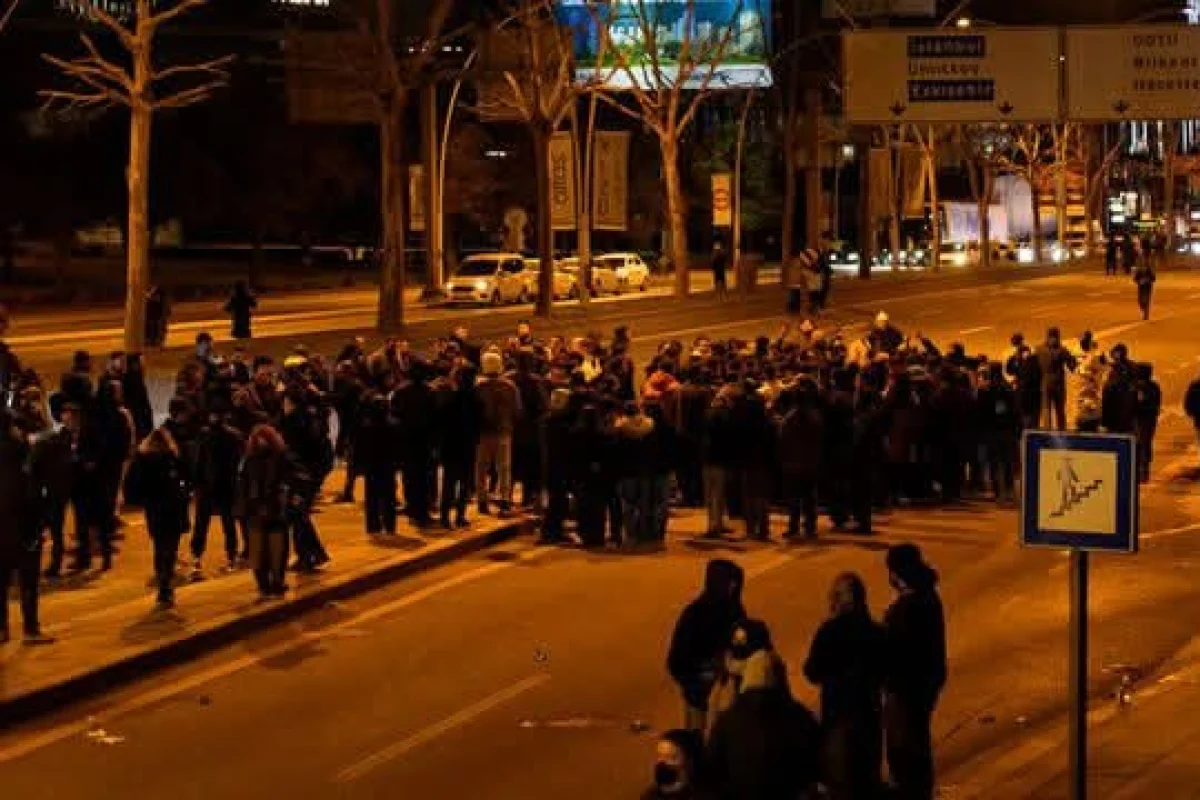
375	460
765	744
801	439
413	411
1149	405
846	661
915	671
701	638
137	396
158	481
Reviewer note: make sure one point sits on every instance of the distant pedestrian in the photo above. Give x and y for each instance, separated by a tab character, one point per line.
1144	276
814	282
846	661
1112	254
702	636
240	307
158	316
719	264
915	671
1128	253
1149	405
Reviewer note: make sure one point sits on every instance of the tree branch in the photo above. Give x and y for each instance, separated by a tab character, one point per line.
94	10
94	77
181	8
69	101
187	97
214	68
100	62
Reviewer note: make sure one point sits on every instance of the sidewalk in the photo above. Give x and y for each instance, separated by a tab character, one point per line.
108	632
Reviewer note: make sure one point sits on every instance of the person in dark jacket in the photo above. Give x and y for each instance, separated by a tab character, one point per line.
801	439
1119	406
1054	362
679	767
60	481
302	433
348	394
20	534
264	494
702	636
528	469
158	482
218	452
915	671
413	411
137	396
1000	431
158	316
594	477
1112	254
1191	406
1149	405
108	436
846	661
719	449
556	434
719	263
239	307
695	398
459	431
755	454
764	745
1027	374
1144	276
376	461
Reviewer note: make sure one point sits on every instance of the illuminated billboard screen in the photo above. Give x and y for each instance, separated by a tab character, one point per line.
737	29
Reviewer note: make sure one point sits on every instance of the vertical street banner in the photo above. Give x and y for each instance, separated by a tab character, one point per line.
881	197
563	202
610	181
722	200
912	183
416	197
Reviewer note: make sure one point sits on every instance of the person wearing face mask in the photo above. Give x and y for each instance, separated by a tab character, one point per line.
845	660
914	671
678	768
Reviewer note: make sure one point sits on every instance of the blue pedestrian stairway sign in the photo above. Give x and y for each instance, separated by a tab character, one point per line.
1079	491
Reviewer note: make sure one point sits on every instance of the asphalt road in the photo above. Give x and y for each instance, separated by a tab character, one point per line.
525	672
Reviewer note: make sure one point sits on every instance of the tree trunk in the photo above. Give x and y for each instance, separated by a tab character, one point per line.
788	237
746	281
390	314
1036	207
545	230
935	217
434	269
985	218
584	230
813	190
1169	147
676	217
137	240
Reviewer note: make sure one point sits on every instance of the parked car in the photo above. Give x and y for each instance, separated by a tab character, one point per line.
566	284
631	271
489	278
604	279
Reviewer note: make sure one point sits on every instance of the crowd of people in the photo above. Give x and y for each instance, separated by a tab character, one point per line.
745	735
803	420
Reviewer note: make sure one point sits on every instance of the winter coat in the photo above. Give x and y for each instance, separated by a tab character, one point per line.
158	482
264	488
915	647
370	439
500	405
1149	405
556	434
460	419
996	414
414	415
763	747
846	661
535	400
1054	362
57	466
698	644
218	452
801	440
1092	373
1120	405
720	441
18	507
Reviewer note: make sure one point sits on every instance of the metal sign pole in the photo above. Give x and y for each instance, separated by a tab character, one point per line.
1078	674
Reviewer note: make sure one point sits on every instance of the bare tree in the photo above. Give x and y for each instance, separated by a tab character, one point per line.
392	74
666	93
1030	159
982	148
7	14
98	81
538	88
1098	162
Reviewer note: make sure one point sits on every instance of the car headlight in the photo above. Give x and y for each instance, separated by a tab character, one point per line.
449	287
1196	248
481	286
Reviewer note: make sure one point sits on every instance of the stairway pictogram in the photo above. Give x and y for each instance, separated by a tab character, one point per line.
1073	491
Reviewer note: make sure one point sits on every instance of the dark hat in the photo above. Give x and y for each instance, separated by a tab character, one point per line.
907	563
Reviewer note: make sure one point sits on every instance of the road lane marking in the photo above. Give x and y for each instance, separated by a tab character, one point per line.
426	735
1170	532
24	746
774	563
1043	310
980	329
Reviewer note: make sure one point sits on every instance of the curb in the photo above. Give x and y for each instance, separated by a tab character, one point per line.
104	677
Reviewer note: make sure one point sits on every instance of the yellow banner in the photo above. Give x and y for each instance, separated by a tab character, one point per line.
722	200
562	182
610	182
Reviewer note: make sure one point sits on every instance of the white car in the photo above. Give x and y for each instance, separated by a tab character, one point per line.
566	285
631	271
604	279
489	278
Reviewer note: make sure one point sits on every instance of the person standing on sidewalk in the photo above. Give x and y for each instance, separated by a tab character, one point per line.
263	497
702	636
20	534
1054	362
1149	405
218	451
719	264
158	482
500	406
239	307
1191	407
915	671
1145	276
